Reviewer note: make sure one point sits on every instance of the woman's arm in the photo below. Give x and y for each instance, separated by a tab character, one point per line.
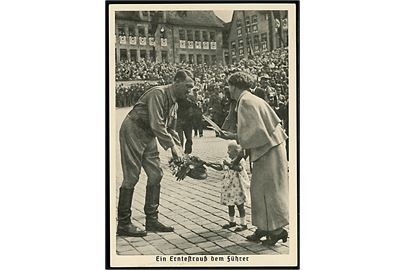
215	166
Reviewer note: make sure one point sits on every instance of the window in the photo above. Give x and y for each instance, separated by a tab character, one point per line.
145	13
197	35
131	31
213	59
238	23
189	35
206	59
199	59
123	55
205	36
183	58
256	42
182	34
254	27
240	43
247	20
239	32
241	51
143	54
248	29
212	36
132	54
264	37
121	31
164	56
141	31
254	19
233	45
191	58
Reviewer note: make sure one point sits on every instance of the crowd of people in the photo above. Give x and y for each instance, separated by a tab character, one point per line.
210	93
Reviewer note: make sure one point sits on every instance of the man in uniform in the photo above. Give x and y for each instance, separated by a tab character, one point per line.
153	116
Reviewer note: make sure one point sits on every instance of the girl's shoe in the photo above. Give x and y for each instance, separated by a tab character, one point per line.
275	238
241	228
257	235
229	225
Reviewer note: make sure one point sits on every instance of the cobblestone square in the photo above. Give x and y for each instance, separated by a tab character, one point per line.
192	207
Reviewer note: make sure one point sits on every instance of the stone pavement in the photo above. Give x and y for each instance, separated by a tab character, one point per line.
193	208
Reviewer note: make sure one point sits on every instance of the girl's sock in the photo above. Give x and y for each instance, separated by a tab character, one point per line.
242	221
231	219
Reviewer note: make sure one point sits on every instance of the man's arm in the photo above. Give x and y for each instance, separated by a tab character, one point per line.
157	119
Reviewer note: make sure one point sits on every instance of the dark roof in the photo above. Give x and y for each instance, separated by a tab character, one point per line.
194	18
127	15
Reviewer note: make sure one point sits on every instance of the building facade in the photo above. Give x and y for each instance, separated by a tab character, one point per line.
253	32
169	36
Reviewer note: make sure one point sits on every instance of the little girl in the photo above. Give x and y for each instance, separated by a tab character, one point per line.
235	185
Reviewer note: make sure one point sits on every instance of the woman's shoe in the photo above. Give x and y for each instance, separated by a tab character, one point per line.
256	236
275	238
229	225
241	228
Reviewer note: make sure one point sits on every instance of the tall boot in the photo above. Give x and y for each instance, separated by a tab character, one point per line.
152	199
125	226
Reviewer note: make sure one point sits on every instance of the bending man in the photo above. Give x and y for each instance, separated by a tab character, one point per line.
153	116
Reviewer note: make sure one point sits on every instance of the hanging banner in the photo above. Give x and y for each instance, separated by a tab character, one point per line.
123	40
142	41
206	45
213	45
163	42
190	44
198	44
285	24
277	23
182	44
151	41
132	40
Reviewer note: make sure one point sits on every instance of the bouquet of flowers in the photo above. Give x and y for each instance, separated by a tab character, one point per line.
191	166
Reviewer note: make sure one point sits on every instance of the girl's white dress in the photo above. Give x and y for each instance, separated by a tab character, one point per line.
235	185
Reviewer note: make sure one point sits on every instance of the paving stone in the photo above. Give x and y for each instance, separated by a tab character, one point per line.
215	238
171	236
152	236
197	239
158	242
236	249
224	243
173	251
206	244
148	250
207	234
165	246
129	252
268	252
214	250
257	248
281	249
193	250
185	245
141	243
122	248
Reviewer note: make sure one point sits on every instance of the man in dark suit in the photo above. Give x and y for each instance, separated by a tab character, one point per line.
259	91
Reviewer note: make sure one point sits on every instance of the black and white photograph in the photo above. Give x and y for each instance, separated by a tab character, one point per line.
202	135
